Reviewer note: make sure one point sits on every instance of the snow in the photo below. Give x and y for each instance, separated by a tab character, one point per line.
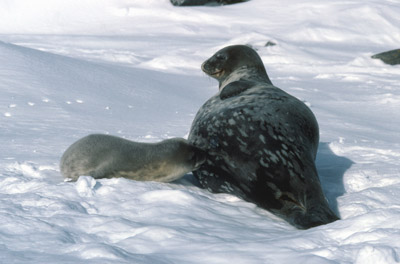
132	69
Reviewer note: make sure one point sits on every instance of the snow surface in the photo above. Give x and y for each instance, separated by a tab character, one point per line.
132	68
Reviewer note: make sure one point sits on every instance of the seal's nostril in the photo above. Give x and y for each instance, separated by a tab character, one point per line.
203	66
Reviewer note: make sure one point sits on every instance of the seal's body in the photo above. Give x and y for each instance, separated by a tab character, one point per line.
104	156
261	141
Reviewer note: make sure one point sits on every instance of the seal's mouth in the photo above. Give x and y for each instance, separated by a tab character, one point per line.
217	74
206	68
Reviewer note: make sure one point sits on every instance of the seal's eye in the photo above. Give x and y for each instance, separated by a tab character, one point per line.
220	56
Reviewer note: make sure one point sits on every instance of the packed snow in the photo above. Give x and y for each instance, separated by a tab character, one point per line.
132	69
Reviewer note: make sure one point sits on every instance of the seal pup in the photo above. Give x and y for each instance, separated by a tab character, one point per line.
261	142
104	156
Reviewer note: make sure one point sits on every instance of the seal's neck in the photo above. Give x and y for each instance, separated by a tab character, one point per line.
245	73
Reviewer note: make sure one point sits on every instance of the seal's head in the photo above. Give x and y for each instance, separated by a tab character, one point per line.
235	63
185	154
196	157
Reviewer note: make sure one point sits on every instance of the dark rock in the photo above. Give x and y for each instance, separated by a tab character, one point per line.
270	43
391	57
228	2
204	2
188	2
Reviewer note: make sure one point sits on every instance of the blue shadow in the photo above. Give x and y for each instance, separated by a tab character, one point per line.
331	169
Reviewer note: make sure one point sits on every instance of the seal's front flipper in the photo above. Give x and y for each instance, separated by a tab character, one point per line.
235	88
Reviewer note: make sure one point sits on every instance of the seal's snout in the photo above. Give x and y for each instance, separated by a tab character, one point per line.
199	158
202	66
205	67
208	68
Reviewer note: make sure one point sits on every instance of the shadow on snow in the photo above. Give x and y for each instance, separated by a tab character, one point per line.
331	169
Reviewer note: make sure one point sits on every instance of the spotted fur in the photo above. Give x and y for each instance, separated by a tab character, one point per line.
261	141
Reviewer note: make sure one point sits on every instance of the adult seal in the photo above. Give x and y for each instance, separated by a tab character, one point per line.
104	156
261	142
